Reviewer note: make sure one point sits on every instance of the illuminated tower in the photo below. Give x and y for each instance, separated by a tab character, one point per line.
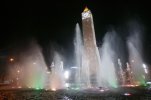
91	52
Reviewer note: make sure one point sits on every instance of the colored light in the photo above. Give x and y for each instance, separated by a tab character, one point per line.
34	63
146	71
19	87
127	94
48	72
86	9
102	90
37	88
132	60
11	59
53	89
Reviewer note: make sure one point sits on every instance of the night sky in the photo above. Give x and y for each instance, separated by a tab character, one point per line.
54	22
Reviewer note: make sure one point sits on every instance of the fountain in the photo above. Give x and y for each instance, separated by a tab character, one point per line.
121	73
40	77
98	73
135	55
57	75
36	75
107	72
94	67
78	44
30	71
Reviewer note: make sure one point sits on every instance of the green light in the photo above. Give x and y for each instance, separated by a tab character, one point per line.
113	83
77	88
37	81
37	88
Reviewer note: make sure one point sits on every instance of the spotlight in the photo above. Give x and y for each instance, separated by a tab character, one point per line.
66	74
66	84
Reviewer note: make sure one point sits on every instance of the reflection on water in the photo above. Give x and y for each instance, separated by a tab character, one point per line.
21	94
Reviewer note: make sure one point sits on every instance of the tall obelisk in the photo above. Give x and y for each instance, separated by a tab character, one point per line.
91	52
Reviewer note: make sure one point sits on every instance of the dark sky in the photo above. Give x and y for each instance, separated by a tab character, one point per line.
54	22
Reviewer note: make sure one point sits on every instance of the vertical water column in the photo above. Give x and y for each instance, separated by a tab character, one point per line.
78	47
